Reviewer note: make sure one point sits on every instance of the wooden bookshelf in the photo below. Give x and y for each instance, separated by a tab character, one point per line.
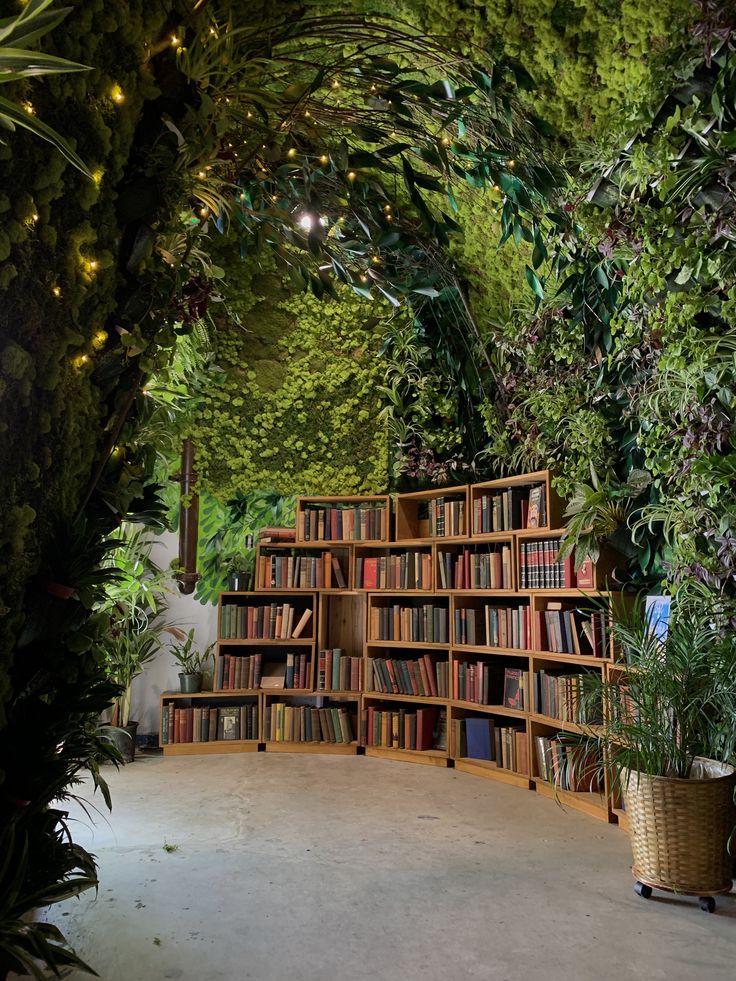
352	517
348	628
428	516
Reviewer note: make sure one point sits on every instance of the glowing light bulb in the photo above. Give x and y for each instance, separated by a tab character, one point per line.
92	265
336	84
117	94
351	175
204	212
512	163
56	290
305	222
28	106
174	41
291	152
324	159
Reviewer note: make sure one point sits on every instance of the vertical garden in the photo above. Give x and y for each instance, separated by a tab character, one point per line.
344	253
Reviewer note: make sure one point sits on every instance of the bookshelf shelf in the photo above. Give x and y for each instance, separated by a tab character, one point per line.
493	709
591	803
445	541
216	748
432	757
490	770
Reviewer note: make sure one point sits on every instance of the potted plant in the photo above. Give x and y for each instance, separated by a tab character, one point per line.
128	648
191	661
668	739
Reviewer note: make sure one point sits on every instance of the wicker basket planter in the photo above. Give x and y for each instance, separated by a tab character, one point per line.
679	829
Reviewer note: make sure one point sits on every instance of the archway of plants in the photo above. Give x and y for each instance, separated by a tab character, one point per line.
343	254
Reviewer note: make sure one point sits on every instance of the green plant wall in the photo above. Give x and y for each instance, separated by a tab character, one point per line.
297	409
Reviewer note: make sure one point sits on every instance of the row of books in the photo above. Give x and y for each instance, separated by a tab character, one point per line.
208	723
396	676
406	570
415	729
475	569
490	684
276	621
539	567
234	672
567	763
485	739
297	571
493	626
510	510
307	724
441	517
566	629
425	624
338	672
559	696
337	523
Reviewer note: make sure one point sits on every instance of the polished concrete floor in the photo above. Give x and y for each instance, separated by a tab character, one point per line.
315	868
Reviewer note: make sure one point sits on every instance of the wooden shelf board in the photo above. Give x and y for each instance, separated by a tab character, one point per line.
325	749
218	746
430	540
479	592
334	542
267	590
254	593
548	720
490	770
168	696
408	644
341	693
569	658
622	818
280	692
506	651
541	532
431	757
259	641
422	699
478	537
395	591
495	709
595	805
513	480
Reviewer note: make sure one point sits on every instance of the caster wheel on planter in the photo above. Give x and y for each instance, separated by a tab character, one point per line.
707	904
642	890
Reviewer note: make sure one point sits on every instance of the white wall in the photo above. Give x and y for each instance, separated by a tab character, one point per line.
162	674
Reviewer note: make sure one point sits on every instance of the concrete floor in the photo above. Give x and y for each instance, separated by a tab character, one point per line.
317	868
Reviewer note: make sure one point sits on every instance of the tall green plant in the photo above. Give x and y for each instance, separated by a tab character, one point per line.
675	700
17	63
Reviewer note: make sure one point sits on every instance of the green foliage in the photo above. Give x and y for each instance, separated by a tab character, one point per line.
186	655
297	405
678	701
224	528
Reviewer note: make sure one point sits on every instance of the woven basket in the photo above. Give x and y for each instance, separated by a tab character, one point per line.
679	829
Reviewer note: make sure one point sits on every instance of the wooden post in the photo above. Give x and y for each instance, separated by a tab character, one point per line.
188	520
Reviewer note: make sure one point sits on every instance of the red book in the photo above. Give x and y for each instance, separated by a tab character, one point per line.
231	673
370	573
429	665
426	718
585	576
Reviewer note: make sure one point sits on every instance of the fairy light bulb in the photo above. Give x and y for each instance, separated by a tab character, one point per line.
174	41
56	290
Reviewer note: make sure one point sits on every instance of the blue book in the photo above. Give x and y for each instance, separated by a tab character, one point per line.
479	738
658	615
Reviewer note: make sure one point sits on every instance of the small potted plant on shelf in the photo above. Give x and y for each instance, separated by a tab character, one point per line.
668	739
191	661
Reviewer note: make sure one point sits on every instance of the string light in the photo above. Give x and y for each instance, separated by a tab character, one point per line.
336	84
28	106
174	41
351	175
291	152
387	207
56	290
446	140
364	279
204	212
200	173
324	159
307	113
117	94
512	163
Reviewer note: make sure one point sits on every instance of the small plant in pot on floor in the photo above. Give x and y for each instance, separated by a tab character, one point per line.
192	661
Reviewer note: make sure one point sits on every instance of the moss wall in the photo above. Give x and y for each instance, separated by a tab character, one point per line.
298	408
